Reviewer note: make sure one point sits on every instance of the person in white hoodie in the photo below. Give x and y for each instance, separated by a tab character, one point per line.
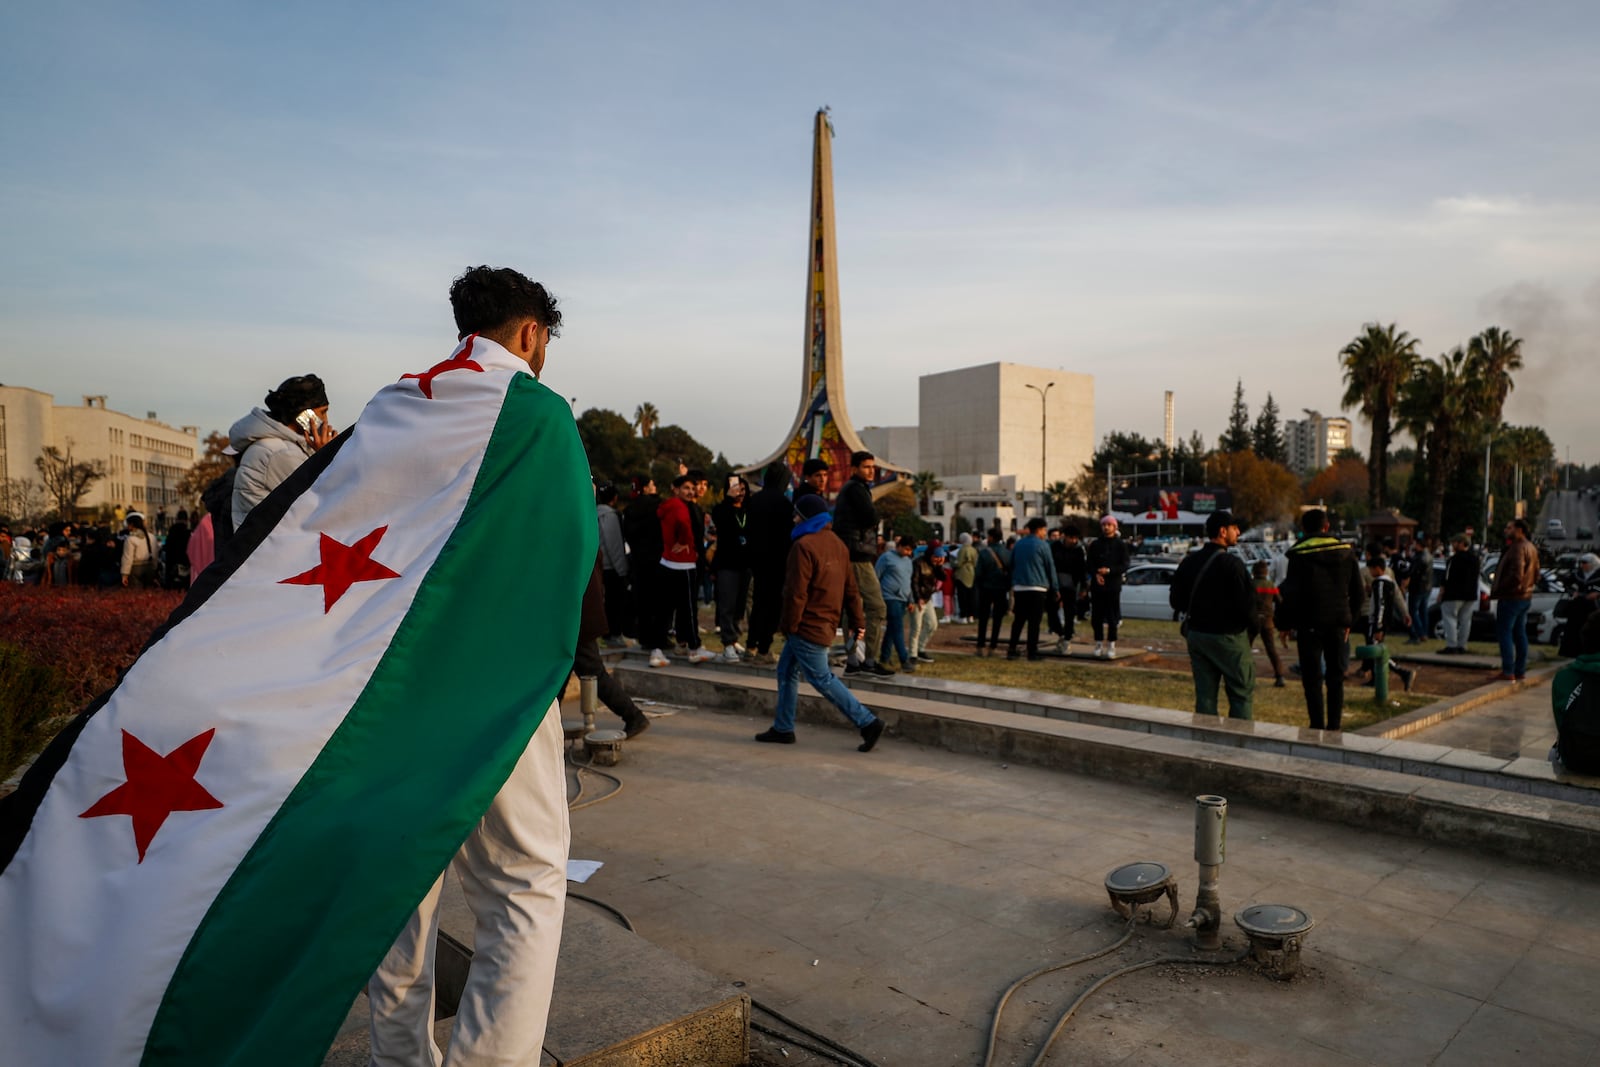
274	440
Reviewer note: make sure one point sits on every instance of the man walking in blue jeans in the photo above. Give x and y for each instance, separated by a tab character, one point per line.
1514	579
819	587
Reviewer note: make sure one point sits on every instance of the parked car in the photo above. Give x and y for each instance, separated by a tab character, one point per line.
1145	590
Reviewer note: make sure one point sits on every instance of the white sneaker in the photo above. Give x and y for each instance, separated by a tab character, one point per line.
739	649
1099	650
702	655
1111	650
659	658
730	654
1062	646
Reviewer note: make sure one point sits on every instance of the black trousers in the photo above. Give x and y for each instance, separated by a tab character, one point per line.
619	613
1105	610
733	593
991	609
1324	657
1029	608
587	663
766	602
678	606
965	596
647	603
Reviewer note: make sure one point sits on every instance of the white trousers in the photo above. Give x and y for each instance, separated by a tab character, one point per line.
513	870
924	623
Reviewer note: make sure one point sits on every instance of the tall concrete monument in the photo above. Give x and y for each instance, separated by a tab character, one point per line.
822	426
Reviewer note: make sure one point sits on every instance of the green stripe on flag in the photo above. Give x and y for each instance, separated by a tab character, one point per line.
303	921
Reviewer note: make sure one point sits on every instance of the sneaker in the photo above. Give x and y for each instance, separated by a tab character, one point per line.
923	657
730	654
762	659
909	668
1502	676
1278	683
659	658
1099	650
776	737
869	735
854	668
1062	647
740	649
636	727
1111	650
1012	653
702	655
1407	676
881	670
615	642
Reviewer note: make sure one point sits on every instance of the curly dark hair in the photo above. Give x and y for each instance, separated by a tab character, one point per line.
488	299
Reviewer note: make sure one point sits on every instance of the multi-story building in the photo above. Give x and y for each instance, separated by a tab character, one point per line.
1032	423
144	458
1312	442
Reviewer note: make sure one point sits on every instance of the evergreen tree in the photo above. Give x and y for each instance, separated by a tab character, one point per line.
1236	438
1267	436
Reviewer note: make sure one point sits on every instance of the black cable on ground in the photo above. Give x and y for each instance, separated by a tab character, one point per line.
815	1050
1038	1060
785	1020
994	1025
623	919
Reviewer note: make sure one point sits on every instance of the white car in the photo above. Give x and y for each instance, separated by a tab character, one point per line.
1145	589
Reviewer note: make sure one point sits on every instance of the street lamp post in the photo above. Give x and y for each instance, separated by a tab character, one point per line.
1042	439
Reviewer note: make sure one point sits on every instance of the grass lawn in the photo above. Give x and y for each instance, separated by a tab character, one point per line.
1161	688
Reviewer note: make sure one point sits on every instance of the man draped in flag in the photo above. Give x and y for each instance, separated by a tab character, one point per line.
207	864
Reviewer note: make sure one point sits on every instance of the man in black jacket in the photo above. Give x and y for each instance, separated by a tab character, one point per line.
1321	598
641	528
1458	599
855	520
1109	557
1072	569
1214	590
771	521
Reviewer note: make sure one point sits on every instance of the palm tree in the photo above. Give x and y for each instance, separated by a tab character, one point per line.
925	484
1057	498
1497	354
1376	364
646	418
1441	409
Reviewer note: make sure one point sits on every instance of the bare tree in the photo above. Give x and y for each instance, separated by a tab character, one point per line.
66	480
22	499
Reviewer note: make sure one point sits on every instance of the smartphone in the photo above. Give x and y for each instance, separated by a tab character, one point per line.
308	421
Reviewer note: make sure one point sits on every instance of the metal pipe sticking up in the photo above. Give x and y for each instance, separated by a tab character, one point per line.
1210	848
588	700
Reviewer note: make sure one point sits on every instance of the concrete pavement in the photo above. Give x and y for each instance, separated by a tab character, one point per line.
886	899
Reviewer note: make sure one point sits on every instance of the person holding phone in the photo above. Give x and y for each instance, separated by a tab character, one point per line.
274	440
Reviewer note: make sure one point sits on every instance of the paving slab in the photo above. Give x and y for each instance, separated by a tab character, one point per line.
887	898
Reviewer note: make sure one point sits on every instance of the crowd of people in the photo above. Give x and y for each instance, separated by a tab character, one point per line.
266	446
663	555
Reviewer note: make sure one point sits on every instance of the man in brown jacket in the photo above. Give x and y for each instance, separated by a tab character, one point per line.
819	586
1514	579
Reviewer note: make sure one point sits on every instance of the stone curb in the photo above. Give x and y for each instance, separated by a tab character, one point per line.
1440	711
1518	824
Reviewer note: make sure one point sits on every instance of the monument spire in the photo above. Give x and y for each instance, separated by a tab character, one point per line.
822	426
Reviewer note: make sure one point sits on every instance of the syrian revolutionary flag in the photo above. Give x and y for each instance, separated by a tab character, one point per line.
209	864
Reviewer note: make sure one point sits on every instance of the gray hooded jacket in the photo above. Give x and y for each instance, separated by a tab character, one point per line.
269	452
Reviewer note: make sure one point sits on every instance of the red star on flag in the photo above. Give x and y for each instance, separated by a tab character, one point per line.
343	566
157	786
461	361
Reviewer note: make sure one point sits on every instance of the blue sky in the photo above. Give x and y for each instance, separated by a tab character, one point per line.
198	200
